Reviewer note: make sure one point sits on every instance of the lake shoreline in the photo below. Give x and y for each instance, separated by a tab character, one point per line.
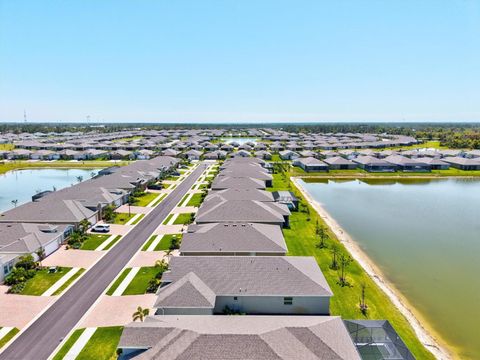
426	336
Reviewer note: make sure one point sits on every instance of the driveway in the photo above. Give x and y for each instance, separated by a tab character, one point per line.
117	310
73	258
19	310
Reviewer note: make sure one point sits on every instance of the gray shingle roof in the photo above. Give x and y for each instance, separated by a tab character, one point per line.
233	237
240	337
218	210
251	276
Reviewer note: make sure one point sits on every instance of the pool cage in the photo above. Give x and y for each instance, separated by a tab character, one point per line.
377	340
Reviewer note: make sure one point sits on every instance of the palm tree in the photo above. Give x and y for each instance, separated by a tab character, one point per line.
41	255
79	178
140	314
15	202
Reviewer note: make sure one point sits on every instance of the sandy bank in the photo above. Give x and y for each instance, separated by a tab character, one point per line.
425	336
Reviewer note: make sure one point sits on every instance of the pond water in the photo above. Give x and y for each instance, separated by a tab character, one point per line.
425	237
21	185
240	140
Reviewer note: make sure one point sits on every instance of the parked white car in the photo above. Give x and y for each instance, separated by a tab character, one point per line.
105	228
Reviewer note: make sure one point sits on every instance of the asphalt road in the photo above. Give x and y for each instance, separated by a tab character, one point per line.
39	340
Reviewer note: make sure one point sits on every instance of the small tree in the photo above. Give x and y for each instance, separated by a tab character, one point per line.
345	261
41	255
162	265
108	213
140	314
321	232
363	304
335	253
15	202
79	178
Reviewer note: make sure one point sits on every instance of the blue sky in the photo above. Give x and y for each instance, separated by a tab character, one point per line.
240	61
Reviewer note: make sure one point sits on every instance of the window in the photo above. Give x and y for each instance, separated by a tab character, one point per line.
287	301
235	298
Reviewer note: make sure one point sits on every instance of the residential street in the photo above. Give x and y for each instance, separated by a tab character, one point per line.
39	340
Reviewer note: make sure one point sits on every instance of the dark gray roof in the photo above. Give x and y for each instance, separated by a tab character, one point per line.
240	337
242	194
218	210
227	182
249	275
233	237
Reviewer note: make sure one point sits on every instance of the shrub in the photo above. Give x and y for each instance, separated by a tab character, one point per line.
19	275
17	288
153	285
26	262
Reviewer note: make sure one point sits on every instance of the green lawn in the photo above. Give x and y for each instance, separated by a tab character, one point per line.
69	281
88	164
196	200
102	345
93	241
7	147
68	344
203	186
122	218
145	199
43	280
301	241
166	241
167	219
137	220
183	219
139	284
165	185
147	244
8	337
113	242
118	281
181	203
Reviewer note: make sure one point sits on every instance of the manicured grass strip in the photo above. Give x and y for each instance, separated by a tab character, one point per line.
159	200
196	200
8	337
165	222
69	281
93	241
203	186
165	185
137	220
68	344
302	241
113	242
43	280
102	345
183	219
183	200
149	242
119	280
166	241
139	284
145	199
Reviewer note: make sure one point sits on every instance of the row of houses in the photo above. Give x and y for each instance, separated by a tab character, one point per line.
390	163
43	225
232	261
